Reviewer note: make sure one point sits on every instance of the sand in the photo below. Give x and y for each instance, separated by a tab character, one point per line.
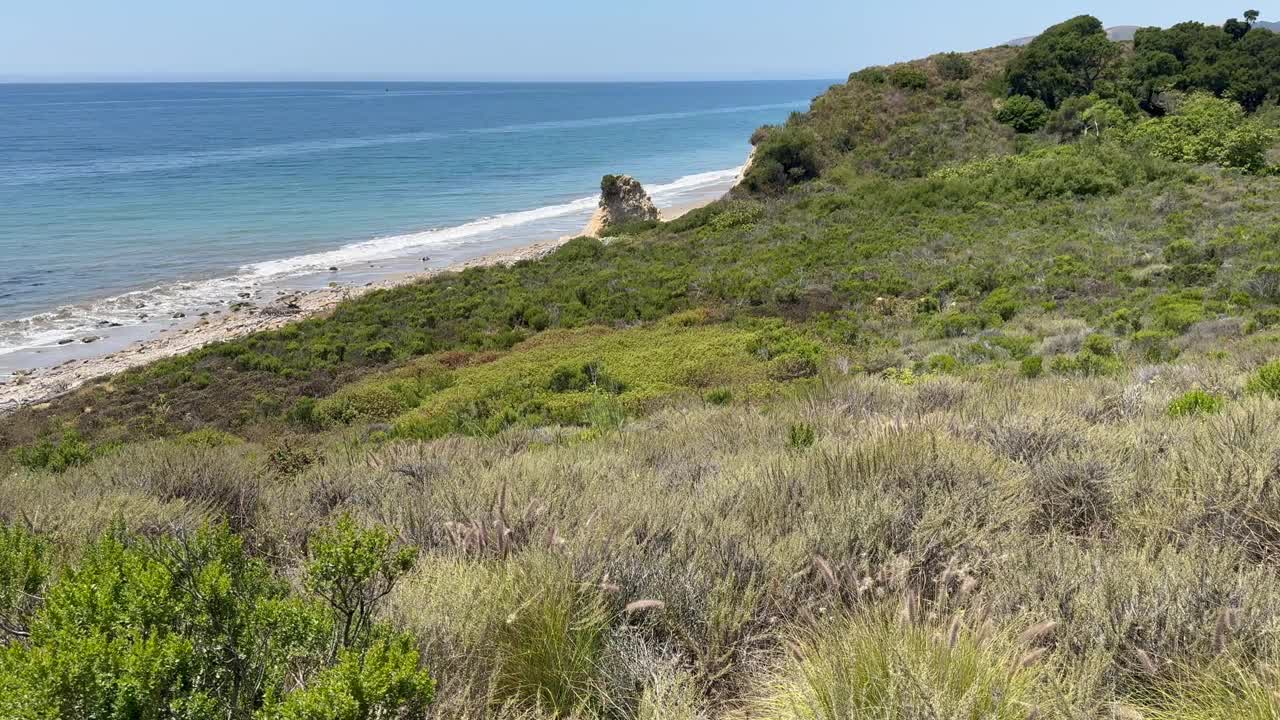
40	385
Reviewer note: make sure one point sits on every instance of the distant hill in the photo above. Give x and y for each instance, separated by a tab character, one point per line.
1121	33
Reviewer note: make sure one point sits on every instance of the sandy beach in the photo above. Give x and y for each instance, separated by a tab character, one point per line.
42	384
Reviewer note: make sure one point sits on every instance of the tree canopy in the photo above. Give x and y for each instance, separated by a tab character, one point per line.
1066	60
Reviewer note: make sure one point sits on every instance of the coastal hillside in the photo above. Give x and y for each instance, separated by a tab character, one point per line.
963	404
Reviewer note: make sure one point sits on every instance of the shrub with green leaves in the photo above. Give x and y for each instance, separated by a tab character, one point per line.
1031	367
953	66
786	156
801	436
353	569
56	455
1266	380
1195	402
191	626
25	566
1023	114
906	77
1207	129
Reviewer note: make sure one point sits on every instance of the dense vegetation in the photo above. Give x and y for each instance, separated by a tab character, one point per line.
962	406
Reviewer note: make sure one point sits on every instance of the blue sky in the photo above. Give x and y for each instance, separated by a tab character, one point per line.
520	39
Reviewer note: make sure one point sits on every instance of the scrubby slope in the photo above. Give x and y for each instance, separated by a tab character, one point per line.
964	406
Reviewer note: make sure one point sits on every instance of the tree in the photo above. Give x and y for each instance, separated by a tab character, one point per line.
1064	61
1235	28
1251	16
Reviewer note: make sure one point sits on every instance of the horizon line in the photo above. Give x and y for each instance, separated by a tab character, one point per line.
214	79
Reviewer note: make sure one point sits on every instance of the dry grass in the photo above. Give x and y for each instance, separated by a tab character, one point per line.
1077	501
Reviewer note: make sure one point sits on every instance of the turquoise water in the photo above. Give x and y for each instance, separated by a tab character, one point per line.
124	204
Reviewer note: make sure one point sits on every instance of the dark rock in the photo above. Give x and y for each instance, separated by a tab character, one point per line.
622	200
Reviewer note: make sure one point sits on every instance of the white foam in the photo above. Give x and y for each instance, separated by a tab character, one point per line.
159	303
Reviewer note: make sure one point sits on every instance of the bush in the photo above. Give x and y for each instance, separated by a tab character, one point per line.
1206	129
1154	346
1002	302
57	455
1031	367
381	682
1176	313
24	568
719	396
1266	381
906	77
801	436
1099	345
874	75
953	66
353	569
1023	114
786	156
1195	402
209	438
192	627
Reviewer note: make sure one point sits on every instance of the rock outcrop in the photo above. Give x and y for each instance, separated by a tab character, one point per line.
622	200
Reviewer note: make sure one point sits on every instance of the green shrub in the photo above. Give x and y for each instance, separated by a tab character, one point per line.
1266	380
1088	364
718	396
1154	346
906	77
1177	313
954	323
57	455
1099	345
942	363
953	66
579	249
584	377
353	569
1195	402
871	75
786	156
188	627
1001	301
801	436
953	92
1206	129
25	566
1031	367
382	681
1023	114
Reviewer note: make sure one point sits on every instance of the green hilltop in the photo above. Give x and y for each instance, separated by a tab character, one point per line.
962	405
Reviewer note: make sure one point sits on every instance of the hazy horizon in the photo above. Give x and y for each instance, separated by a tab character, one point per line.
561	41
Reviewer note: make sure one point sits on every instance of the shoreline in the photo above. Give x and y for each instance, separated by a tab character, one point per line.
40	385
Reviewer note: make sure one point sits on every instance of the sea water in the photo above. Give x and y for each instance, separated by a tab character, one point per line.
123	205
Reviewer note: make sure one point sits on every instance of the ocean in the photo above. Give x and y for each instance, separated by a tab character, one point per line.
125	205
